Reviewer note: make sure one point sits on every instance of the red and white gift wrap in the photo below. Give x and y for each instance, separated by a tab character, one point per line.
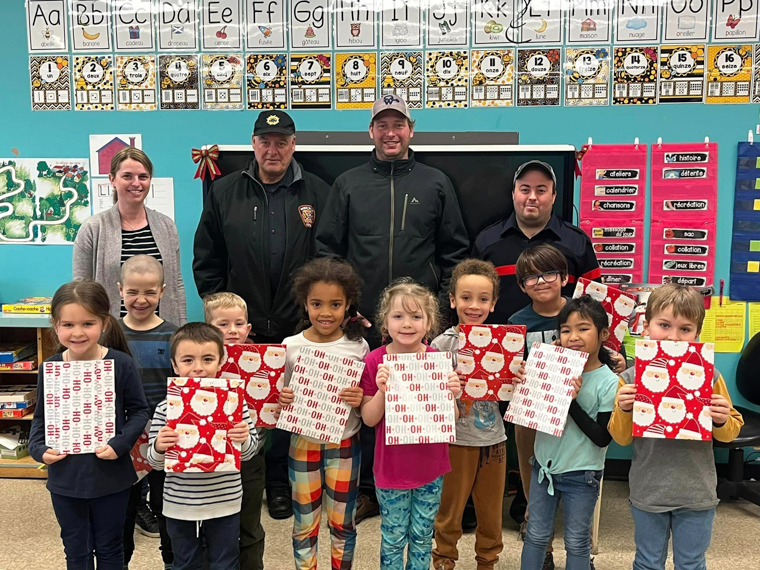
201	410
542	401
318	379
673	389
139	454
262	366
419	407
619	307
489	357
80	405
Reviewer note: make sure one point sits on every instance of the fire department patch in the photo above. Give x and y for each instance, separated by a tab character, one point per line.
307	215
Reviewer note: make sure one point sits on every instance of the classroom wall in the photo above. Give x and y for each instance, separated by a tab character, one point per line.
168	137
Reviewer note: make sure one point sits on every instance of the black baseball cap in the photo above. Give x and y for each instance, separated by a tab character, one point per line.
535	166
274	122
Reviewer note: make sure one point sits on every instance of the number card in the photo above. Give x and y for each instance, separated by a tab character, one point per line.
318	379
682	74
139	453
180	85
543	400
201	410
729	74
80	405
635	76
356	80
267	80
262	367
446	78
93	83
136	82
489	357
50	81
674	382
401	74
538	77
619	307
223	81
493	78
311	81
419	407
587	77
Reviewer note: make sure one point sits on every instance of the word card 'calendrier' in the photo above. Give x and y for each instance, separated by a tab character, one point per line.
419	407
543	400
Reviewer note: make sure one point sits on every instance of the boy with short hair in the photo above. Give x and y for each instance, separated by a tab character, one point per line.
193	499
673	482
141	287
228	312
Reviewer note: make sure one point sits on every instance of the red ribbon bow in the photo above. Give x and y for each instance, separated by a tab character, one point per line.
207	158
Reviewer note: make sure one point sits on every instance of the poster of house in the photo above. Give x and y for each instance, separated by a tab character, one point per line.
104	147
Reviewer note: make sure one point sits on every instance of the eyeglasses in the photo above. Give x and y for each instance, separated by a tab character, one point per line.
547	276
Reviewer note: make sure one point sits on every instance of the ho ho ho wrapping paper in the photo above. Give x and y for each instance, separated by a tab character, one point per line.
419	407
317	380
619	307
489	356
542	401
674	383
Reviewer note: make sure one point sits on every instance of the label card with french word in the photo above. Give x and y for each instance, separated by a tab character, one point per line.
419	407
489	356
80	405
201	410
262	367
317	381
619	307
543	400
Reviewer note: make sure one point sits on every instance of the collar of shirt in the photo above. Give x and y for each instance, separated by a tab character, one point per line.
553	225
398	167
284	182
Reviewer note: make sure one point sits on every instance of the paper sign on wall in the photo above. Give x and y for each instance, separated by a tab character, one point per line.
735	20
90	25
619	307
46	26
160	196
265	25
637	21
489	357
136	83
133	25
589	21
446	78
311	81
401	74
686	22
540	23
104	147
401	23
492	23
356	80
729	74
93	83
538	77
448	23
222	80
635	73
221	25
177	25
310	24
587	76
267	80
493	78
682	74
355	26
178	76
49	76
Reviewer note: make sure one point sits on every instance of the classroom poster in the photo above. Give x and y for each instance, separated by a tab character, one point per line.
682	74
49	76
448	23
401	74
265	25
136	82
133	28
489	357
400	23
674	385
493	23
310	24
686	22
311	81
735	21
47	25
619	307
637	21
589	21
93	83
90	25
160	195
745	242
538	77
635	75
180	84
355	24
540	23
221	25
177	25
729	74
492	78
446	79
222	76
587	77
103	147
724	325
267	80
542	401
756	75
356	80
317	380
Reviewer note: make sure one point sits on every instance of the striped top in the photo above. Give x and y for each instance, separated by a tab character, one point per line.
137	242
201	496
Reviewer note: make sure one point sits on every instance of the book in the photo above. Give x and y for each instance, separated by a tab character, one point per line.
29	305
19	365
18	393
17	405
14	351
17	413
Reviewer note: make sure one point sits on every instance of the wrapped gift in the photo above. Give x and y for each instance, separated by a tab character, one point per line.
489	357
139	454
619	307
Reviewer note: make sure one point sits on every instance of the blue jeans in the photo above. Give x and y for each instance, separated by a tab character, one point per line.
408	516
579	491
221	540
692	531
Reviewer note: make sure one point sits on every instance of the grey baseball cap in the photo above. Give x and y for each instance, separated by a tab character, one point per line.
390	102
535	165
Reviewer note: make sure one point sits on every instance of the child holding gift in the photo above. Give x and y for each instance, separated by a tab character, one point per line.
409	478
478	458
673	481
228	312
193	499
328	291
570	467
90	491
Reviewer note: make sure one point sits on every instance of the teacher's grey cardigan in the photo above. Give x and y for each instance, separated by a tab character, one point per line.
97	255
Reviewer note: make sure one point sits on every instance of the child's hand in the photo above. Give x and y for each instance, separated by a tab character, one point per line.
454	384
239	432
626	397
353	396
106	452
286	397
52	456
166	439
462	380
720	410
619	363
383	374
520	374
577	383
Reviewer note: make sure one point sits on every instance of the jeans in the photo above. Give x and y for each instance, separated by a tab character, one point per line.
221	540
692	531
579	491
408	516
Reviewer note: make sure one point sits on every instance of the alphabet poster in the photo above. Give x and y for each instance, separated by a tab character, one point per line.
587	77
446	78
46	26
540	23
49	76
401	23
133	28
542	401
735	20
317	380
538	77
179	80
356	80
221	25
686	21
619	307
637	21
136	82
492	78
589	21
492	23
401	74
311	81
93	83
222	78
489	357
419	407
310	25
265	25
682	74
635	76
80	405
201	411
355	26
177	25
90	25
674	386
448	23
729	74
262	367
267	80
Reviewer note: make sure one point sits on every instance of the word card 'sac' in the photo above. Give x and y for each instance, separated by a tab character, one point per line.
619	307
489	357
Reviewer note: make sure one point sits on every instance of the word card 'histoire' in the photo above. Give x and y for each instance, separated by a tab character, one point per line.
419	407
80	405
318	379
543	400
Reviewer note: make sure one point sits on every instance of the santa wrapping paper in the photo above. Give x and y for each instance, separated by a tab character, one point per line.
139	454
201	410
673	389
489	357
619	307
262	367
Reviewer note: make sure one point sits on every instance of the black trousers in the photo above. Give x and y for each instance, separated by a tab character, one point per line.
221	541
252	476
156	482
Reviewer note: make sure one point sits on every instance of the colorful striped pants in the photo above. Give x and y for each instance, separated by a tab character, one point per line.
335	467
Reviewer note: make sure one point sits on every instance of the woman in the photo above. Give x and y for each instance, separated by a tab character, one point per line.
98	254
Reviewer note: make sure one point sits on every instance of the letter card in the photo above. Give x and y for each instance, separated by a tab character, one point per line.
619	307
489	356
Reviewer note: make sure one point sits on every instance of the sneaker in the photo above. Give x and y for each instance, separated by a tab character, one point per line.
145	521
548	562
366	508
591	564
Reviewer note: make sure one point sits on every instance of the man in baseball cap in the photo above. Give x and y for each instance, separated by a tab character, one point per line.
391	128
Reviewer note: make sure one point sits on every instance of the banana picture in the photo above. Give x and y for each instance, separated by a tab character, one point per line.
89	36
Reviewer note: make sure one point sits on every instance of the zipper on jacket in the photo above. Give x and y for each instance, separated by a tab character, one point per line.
403	215
393	216
255	212
435	275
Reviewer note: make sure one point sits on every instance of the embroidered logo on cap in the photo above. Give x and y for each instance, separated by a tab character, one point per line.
307	215
273	120
391	99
